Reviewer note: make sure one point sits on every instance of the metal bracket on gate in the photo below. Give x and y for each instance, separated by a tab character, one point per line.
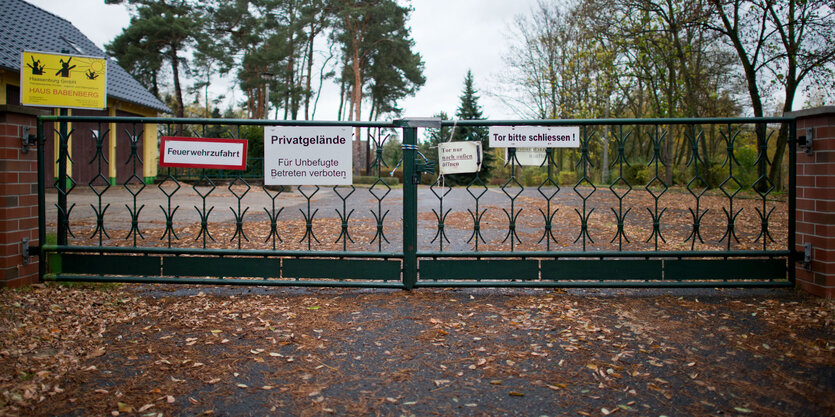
427	122
26	139
807	256
426	167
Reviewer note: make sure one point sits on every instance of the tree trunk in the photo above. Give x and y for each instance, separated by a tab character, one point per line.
340	111
357	95
178	92
307	91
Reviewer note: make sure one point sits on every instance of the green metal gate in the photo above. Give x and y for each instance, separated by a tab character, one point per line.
552	226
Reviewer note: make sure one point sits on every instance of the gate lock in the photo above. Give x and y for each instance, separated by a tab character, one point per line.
426	167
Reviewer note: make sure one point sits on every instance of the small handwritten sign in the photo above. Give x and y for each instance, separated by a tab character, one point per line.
530	156
459	157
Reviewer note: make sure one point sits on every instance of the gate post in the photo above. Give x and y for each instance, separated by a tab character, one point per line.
409	203
18	196
815	213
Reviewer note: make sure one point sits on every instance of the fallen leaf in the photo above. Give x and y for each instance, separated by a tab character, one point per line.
516	394
96	353
124	408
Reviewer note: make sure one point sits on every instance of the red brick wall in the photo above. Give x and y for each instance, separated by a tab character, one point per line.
18	198
816	201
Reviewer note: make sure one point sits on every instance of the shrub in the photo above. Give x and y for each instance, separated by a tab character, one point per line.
643	175
568	178
746	171
532	176
368	180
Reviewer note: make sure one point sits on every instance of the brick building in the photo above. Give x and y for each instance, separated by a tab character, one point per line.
27	27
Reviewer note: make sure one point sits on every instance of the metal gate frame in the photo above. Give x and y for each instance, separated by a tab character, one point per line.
411	268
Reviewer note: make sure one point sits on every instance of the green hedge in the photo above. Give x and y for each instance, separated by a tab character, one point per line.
368	180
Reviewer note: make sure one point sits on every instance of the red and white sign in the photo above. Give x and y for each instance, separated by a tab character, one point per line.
179	152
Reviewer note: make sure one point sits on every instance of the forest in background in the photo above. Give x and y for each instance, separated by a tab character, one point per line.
583	59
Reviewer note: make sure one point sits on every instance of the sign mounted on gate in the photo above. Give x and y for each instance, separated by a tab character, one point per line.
179	152
531	156
459	157
62	80
535	136
295	155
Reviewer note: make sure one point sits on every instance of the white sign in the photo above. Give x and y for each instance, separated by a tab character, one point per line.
459	157
535	136
530	156
183	152
307	155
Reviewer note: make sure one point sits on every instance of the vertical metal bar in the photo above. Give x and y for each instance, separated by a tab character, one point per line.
62	179
409	208
41	203
792	149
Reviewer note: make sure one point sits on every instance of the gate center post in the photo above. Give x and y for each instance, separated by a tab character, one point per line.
409	203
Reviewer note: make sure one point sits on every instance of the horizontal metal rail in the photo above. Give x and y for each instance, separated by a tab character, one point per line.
221	281
619	122
254	253
609	254
184	121
604	283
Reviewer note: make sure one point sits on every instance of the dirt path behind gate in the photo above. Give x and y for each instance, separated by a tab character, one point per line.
174	350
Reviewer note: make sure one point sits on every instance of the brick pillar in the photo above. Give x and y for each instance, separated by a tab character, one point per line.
816	201
18	197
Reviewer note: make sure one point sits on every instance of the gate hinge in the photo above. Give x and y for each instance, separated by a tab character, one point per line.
26	139
28	251
807	256
805	141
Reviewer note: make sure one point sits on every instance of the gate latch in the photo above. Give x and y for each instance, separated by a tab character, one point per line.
426	167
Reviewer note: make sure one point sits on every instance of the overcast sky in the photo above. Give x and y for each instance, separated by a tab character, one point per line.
451	35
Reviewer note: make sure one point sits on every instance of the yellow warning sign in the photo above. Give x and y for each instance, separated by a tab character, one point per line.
61	80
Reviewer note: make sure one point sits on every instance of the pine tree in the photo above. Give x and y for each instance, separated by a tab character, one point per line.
159	30
469	109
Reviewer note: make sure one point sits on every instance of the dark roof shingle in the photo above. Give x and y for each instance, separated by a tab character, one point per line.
24	26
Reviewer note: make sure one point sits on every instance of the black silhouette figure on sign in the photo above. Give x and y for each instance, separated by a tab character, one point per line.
91	74
37	68
65	68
